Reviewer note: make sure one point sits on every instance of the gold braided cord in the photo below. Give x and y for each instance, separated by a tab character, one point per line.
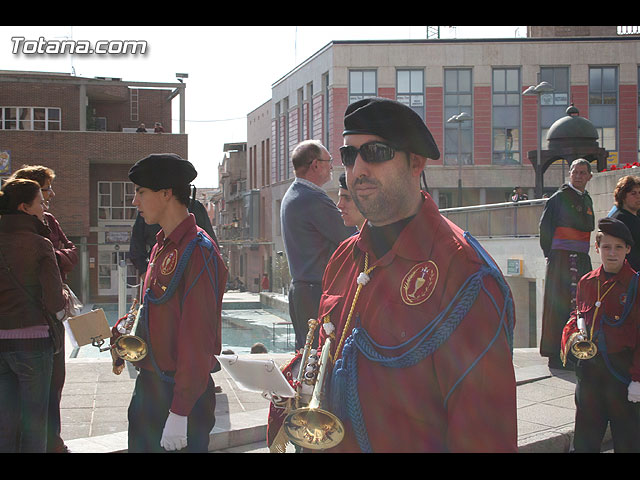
367	271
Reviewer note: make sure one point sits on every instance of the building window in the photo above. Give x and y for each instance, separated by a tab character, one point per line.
603	104
114	201
553	106
458	99
108	269
506	87
362	84
506	146
29	118
558	78
506	116
410	89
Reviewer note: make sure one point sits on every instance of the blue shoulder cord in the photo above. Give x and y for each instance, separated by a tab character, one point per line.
344	398
600	336
143	325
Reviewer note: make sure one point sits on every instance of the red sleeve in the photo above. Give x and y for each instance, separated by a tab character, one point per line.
66	251
476	372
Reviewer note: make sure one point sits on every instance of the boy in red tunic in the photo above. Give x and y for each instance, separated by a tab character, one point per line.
608	315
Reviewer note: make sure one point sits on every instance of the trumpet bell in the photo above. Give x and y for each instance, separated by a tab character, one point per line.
584	350
131	348
314	428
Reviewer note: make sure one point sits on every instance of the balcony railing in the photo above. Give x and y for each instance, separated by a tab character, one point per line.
509	219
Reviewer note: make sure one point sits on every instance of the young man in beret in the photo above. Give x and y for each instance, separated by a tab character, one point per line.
173	403
607	313
351	216
420	321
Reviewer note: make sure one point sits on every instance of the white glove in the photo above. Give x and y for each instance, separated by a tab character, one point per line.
174	435
634	392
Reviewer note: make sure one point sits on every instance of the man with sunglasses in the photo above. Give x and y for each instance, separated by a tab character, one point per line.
311	230
419	315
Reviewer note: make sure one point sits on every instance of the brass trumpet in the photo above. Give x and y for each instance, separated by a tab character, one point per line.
126	345
313	427
583	349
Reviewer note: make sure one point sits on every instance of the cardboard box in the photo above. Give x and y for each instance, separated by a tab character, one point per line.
84	329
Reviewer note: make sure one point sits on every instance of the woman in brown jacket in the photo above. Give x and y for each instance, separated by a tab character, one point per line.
26	353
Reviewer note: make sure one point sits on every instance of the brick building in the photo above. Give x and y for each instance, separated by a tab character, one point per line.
85	130
594	68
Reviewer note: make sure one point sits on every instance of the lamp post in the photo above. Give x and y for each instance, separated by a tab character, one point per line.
459	118
538	90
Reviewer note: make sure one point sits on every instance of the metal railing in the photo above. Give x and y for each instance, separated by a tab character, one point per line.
508	219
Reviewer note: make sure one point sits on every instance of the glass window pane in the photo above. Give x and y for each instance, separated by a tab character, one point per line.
595	84
404	85
450	81
464	100
355	82
104	187
512	81
117	195
369	82
464	80
498	81
608	79
39	114
513	99
54	113
561	80
499	100
416	81
103	213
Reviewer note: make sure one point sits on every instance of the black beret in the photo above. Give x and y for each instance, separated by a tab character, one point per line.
393	121
162	170
615	228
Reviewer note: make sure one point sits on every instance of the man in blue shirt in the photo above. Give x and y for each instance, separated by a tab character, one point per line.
312	228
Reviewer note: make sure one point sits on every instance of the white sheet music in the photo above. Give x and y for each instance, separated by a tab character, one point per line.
257	375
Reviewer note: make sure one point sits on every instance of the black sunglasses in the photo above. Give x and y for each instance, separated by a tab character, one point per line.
370	152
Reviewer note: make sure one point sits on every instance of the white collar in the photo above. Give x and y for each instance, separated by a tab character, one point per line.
578	191
308	183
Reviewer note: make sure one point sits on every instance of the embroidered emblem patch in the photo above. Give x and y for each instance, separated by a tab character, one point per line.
418	285
623	298
169	263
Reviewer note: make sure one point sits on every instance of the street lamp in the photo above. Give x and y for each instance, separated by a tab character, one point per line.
459	118
538	90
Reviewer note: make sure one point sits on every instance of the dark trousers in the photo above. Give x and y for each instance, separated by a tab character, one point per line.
54	440
602	399
149	409
304	301
25	377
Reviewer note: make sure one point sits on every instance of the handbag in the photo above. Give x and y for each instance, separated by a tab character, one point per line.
56	328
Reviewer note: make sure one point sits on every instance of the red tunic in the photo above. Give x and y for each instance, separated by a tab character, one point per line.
185	332
404	408
613	293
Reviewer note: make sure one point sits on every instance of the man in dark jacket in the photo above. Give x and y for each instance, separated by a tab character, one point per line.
565	230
